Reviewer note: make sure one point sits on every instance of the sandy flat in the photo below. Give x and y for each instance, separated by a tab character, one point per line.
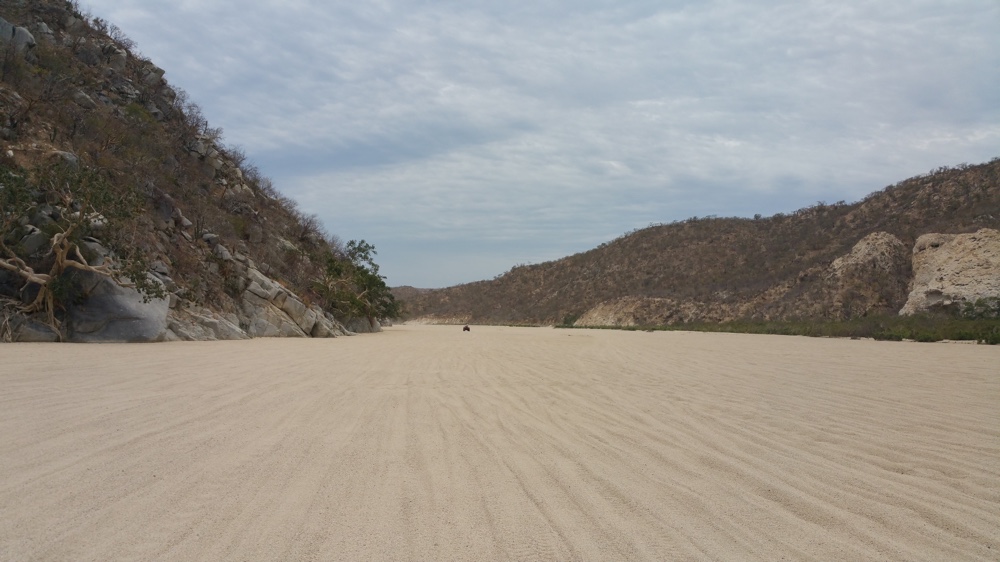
426	443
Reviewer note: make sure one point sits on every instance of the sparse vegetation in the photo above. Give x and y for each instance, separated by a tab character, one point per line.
726	269
918	327
139	145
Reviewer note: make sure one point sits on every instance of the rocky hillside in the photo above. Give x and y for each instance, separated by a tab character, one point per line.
123	216
831	261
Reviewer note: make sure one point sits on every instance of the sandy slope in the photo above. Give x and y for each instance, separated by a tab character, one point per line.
425	443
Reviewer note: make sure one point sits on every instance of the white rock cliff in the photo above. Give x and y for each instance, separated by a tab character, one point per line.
949	269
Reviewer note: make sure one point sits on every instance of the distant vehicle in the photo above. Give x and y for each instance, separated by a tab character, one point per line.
466	328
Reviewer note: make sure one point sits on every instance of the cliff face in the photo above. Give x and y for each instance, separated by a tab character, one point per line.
950	270
123	217
834	261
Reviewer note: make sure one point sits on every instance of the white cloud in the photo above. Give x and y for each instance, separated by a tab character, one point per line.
530	131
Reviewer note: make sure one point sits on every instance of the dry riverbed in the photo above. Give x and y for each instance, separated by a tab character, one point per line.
427	443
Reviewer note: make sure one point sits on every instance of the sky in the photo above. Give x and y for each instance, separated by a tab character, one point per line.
464	137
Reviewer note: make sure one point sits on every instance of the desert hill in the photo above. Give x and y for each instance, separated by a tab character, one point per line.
124	217
832	261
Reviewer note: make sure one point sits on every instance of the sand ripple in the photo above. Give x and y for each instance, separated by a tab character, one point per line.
425	443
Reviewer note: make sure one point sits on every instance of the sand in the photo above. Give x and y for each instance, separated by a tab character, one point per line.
426	443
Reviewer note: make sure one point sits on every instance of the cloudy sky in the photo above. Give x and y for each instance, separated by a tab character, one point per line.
464	137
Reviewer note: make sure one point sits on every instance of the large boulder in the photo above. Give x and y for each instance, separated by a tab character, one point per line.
872	277
950	269
110	312
19	37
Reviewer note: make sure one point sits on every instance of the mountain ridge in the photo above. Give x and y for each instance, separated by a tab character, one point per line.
723	269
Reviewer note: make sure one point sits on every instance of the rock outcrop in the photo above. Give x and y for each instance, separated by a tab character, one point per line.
202	324
109	312
362	326
234	258
871	276
951	269
19	37
266	309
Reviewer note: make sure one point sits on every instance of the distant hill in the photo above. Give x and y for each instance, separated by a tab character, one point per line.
721	269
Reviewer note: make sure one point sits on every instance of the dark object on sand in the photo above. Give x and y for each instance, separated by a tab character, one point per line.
466	328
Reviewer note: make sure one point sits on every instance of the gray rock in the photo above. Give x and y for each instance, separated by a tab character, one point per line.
28	330
168	96
264	320
294	308
261	292
279	299
89	53
362	326
168	283
116	57
222	253
73	24
153	75
83	100
201	325
126	90
112	313
35	241
159	267
93	251
41	31
118	61
43	216
21	38
303	317
285	245
198	147
155	111
66	157
326	326
270	289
